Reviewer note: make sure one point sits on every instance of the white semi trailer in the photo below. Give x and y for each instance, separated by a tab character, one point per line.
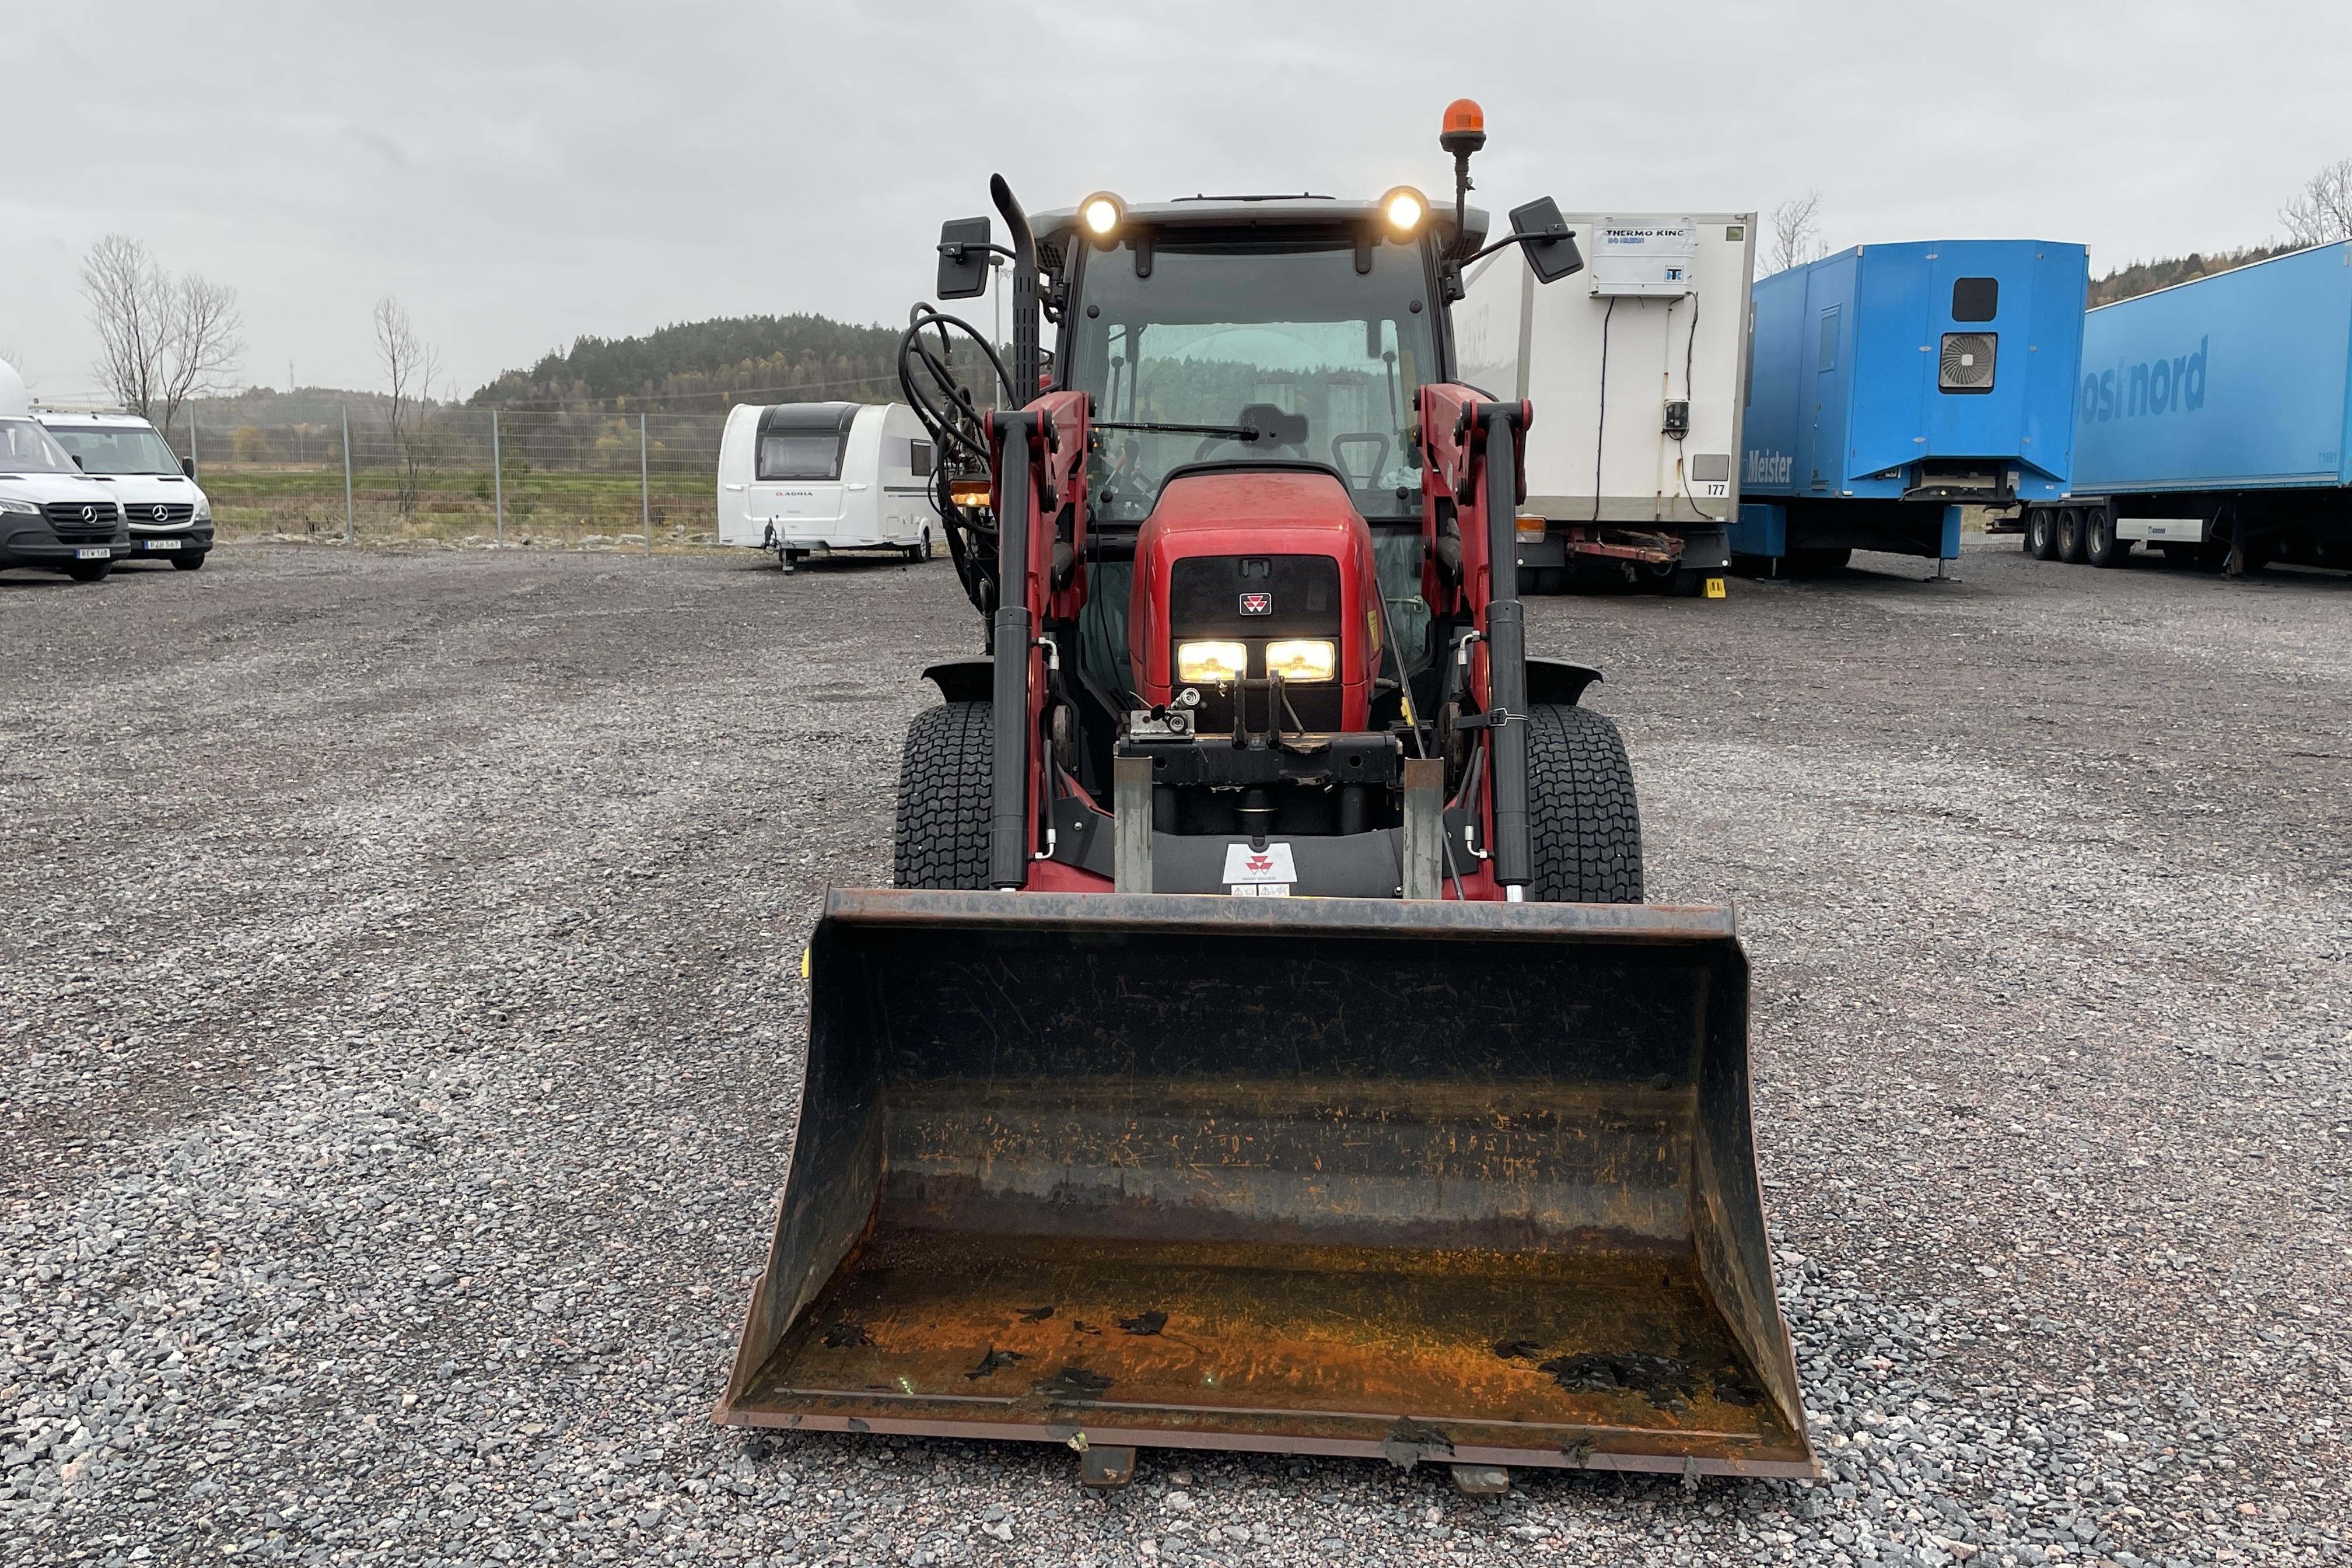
1637	368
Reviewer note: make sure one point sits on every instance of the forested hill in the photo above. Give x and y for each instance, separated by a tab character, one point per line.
697	364
2147	277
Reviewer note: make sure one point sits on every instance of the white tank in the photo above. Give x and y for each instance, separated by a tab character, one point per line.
14	403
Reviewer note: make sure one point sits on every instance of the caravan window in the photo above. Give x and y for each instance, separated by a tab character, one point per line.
800	455
919	458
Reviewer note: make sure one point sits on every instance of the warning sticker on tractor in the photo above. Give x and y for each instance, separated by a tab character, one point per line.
1259	873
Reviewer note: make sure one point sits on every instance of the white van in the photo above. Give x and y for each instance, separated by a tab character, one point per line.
797	477
170	517
53	517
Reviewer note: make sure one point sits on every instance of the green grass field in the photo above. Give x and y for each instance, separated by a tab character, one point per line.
454	505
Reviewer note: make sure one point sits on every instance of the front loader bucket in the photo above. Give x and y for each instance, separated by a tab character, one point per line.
1470	1183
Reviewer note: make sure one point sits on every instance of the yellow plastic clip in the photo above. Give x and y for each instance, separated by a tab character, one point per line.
804	964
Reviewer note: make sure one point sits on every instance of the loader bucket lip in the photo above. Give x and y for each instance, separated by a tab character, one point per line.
1340	1237
1147	913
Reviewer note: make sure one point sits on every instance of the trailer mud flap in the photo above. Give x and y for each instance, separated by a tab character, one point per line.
1398	1180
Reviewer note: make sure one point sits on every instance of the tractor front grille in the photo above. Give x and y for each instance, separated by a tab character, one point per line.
1967	363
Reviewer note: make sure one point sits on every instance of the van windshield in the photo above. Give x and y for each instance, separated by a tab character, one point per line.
118	451
1282	347
26	448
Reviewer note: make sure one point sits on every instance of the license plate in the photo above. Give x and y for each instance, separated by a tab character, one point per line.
163	544
93	554
1715	587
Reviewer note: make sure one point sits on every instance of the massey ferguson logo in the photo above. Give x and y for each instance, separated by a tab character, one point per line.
1258	862
1257	604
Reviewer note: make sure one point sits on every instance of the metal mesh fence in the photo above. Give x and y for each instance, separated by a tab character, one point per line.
469	477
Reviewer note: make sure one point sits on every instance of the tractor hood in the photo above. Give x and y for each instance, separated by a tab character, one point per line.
1254	555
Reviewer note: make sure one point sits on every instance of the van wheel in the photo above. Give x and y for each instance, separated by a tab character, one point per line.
191	563
1586	825
942	838
88	571
2070	536
2100	545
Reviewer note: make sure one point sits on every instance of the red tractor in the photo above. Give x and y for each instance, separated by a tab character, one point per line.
1265	1045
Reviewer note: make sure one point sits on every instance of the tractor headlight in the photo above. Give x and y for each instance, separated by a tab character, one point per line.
1211	663
1100	214
1303	659
1403	208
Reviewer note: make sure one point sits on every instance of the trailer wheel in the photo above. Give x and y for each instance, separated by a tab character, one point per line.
921	551
2100	545
941	839
1587	826
2042	534
2070	536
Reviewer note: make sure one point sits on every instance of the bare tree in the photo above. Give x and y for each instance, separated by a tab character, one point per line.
2322	213
410	364
161	339
1796	232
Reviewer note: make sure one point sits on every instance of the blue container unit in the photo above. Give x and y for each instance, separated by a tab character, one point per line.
1891	384
2213	421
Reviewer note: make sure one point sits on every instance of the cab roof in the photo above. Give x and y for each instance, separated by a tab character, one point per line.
1302	211
107	420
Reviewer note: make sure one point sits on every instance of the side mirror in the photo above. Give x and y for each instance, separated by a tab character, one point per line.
1545	236
188	467
963	258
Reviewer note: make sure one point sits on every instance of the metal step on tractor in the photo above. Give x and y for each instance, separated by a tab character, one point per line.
1264	1046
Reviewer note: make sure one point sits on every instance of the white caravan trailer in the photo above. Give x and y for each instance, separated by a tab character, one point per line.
796	478
1638	369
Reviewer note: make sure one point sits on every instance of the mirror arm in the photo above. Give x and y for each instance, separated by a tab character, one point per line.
955	252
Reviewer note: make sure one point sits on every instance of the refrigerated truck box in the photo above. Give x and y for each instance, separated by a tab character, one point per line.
1635	367
1893	385
2217	413
798	478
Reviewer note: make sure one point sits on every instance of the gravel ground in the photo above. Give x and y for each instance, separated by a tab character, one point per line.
398	969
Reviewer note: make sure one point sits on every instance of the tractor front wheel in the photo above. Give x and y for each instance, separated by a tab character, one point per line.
943	788
1586	825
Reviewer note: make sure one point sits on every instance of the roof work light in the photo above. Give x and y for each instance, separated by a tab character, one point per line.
1404	207
1101	213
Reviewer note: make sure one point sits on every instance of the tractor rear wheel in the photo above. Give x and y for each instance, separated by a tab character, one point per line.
1586	825
944	787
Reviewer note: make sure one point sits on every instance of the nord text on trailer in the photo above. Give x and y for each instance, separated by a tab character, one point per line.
797	477
1894	384
2213	420
1638	368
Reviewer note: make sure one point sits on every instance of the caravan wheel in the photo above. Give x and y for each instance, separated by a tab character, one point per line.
921	550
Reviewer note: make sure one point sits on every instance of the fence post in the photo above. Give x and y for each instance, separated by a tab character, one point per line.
645	486
194	462
349	529
498	480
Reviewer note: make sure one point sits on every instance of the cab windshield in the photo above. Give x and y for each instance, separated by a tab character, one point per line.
1257	352
26	448
112	450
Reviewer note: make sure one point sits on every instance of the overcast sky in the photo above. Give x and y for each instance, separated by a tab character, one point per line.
518	175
